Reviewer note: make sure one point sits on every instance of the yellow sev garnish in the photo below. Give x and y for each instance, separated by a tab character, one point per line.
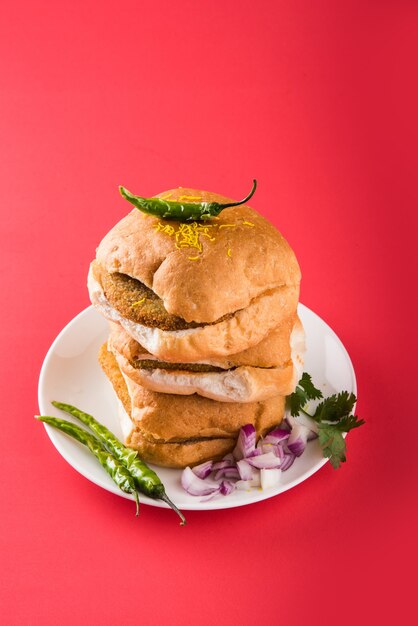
189	198
138	302
226	226
189	235
165	228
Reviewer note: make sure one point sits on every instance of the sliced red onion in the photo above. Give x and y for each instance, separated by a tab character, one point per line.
304	420
278	451
265	461
270	477
277	435
203	470
287	461
297	440
227	487
223	464
255	452
245	470
227	472
252	465
267	447
212	495
194	485
246	442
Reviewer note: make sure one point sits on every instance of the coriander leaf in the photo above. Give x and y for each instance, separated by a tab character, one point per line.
348	423
332	443
305	391
296	401
335	407
312	393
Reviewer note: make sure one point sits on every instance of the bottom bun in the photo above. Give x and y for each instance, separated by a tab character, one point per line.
176	431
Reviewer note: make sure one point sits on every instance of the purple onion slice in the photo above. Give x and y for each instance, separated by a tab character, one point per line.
287	461
255	452
277	435
227	487
218	465
279	451
227	472
298	438
194	485
251	465
246	442
203	470
265	461
245	470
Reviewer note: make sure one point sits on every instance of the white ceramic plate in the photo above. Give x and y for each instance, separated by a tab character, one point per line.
71	373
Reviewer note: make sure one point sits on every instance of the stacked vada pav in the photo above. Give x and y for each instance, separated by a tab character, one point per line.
204	335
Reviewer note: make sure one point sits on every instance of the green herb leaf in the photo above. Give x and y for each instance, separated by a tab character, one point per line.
333	444
348	423
334	408
305	391
332	441
333	414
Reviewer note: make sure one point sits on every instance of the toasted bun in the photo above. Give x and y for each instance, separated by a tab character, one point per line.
244	329
175	431
272	351
205	270
241	384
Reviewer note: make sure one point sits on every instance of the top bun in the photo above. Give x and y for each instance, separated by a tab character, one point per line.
205	270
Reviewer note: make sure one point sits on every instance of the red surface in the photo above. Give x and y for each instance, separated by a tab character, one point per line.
318	100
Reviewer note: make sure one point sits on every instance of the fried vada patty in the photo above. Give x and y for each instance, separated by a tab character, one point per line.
138	303
151	364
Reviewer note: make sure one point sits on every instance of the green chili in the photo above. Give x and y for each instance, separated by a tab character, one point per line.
146	480
183	211
116	470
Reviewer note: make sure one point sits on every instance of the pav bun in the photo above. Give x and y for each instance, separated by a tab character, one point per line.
175	431
201	271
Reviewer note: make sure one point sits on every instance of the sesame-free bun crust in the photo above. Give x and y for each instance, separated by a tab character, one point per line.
272	351
239	384
246	328
229	262
175	431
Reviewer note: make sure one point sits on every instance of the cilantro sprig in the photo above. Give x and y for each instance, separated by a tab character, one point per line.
305	391
333	415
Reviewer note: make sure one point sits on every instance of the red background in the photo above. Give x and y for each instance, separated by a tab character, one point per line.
318	100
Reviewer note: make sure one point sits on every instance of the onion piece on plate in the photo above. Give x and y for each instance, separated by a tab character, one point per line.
251	464
203	470
194	485
246	442
270	477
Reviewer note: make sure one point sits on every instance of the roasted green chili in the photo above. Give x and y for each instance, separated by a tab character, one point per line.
183	211
145	478
116	470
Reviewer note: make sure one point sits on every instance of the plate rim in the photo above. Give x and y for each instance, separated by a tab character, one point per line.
216	504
